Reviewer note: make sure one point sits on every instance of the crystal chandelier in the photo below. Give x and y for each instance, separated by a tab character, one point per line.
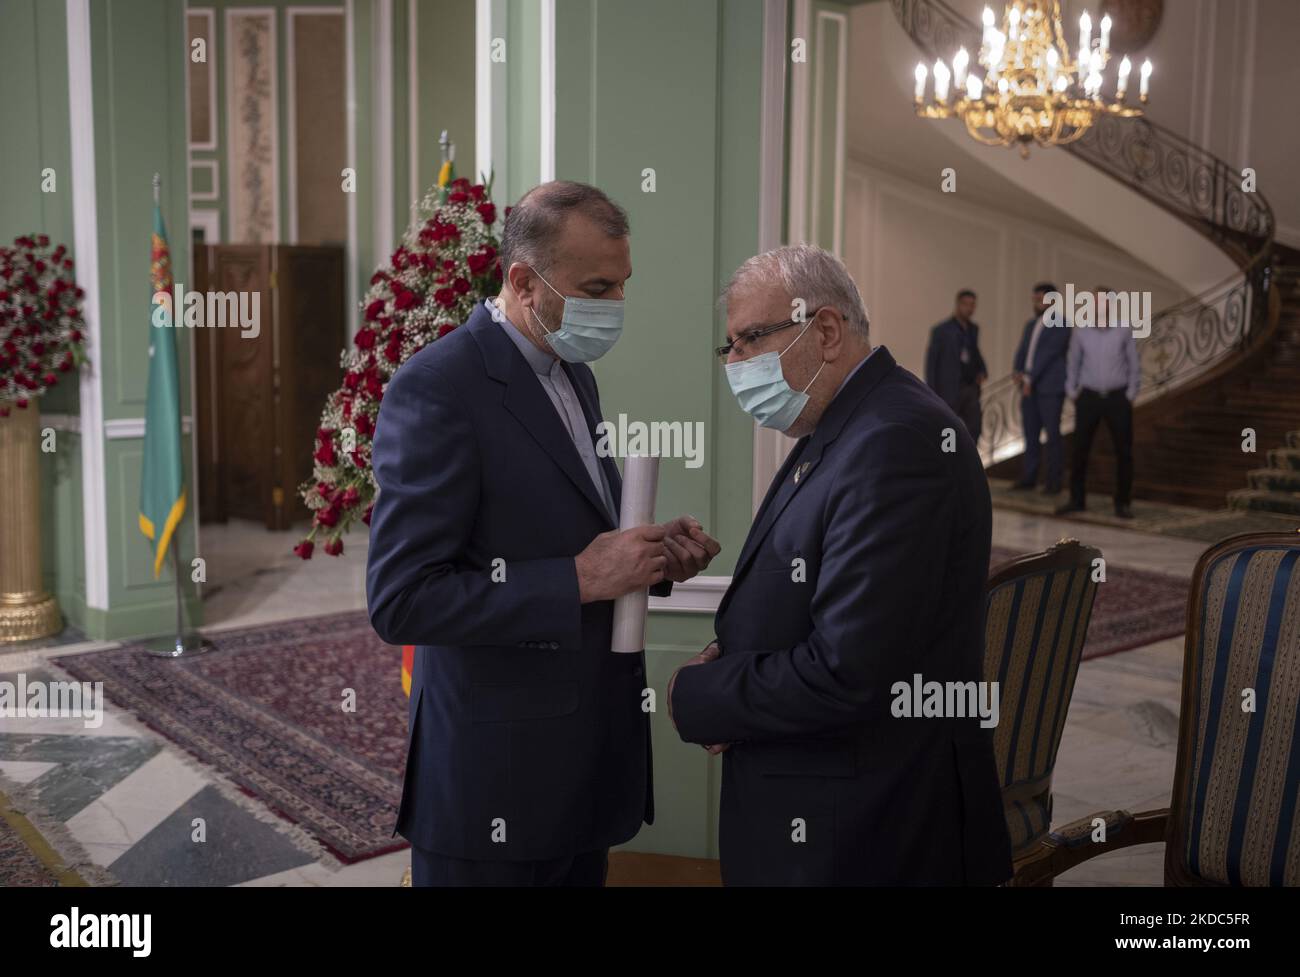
1032	91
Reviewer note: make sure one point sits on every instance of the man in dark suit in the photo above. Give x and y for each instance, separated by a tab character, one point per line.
864	570
1039	370
954	366
493	549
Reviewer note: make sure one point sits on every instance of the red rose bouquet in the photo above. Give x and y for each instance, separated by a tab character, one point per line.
446	264
42	332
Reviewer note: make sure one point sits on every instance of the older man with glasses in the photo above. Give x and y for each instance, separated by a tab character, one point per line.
864	570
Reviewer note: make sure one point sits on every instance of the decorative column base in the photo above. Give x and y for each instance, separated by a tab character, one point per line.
27	612
29	621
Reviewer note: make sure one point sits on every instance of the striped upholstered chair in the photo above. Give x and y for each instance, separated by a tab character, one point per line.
1038	612
1234	817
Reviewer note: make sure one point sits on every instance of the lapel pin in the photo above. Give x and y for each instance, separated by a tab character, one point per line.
798	474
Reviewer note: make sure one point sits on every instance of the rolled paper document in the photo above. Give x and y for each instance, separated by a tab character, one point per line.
640	480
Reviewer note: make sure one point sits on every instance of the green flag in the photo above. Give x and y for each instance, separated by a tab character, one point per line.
162	485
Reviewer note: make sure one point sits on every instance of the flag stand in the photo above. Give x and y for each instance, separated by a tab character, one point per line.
182	644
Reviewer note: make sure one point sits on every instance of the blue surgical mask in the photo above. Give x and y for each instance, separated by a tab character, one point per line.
588	330
760	386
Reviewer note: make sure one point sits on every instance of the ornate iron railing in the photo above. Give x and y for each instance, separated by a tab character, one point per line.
1186	180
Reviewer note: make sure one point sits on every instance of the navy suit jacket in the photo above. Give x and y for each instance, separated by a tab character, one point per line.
1048	374
892	534
519	710
943	359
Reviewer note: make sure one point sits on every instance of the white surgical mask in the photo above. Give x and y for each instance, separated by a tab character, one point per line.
760	386
588	329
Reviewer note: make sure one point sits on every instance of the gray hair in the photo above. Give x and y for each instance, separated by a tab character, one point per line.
533	224
810	273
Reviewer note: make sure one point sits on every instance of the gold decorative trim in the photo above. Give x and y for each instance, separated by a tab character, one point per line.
26	611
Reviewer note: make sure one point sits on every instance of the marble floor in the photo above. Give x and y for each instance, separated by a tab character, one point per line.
123	802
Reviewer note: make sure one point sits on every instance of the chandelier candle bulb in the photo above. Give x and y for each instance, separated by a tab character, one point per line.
941	78
1085	35
1146	78
1121	85
973	88
1105	34
959	63
988	26
920	82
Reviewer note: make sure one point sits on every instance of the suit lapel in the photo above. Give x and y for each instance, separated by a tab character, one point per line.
531	406
803	461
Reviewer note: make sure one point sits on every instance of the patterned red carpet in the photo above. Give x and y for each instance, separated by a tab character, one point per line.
271	709
267	707
1134	608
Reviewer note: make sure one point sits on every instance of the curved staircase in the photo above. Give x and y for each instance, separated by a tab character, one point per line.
1223	361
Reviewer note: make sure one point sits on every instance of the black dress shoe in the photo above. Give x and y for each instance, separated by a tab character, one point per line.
1123	512
1063	510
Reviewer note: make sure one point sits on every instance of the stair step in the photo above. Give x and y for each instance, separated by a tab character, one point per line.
1265	501
1287	459
1275	480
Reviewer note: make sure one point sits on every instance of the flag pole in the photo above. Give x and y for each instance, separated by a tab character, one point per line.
180	644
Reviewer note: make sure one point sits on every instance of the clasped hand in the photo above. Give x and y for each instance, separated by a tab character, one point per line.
622	561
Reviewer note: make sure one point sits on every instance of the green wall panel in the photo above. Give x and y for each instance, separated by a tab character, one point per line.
673	87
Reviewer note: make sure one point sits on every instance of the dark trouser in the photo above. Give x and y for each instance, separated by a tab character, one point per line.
1042	412
1089	411
968	409
430	868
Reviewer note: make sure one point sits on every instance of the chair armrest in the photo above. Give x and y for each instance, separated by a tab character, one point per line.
1072	844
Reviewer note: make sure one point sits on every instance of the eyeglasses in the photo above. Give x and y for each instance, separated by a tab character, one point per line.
750	335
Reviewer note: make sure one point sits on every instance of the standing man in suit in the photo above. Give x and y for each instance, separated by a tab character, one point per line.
1039	369
954	367
494	549
1103	376
865	568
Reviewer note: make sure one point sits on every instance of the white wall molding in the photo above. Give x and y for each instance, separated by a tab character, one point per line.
351	258
210	15
699	595
214	166
798	218
381	73
85	237
819	126
483	86
1247	27
546	86
210	222
62	422
771	447
413	100
126	428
